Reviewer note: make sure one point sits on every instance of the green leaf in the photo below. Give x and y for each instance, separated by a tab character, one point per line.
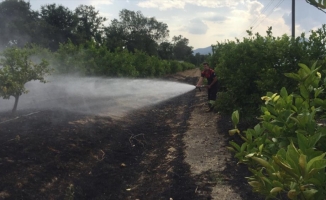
261	148
244	139
293	76
281	153
313	66
277	183
310	164
235	145
249	136
295	120
318	91
298	102
304	67
276	190
262	162
287	168
255	184
303	164
318	164
312	140
231	149
250	155
302	141
235	118
284	93
243	147
233	131
318	102
292	153
303	75
304	92
314	181
308	194
266	180
258	129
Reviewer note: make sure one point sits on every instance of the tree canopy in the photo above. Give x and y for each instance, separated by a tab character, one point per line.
18	23
135	31
181	49
55	24
16	69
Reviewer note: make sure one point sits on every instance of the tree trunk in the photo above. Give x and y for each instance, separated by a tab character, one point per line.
16	103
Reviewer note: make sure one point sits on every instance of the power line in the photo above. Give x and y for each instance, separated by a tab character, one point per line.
262	12
276	6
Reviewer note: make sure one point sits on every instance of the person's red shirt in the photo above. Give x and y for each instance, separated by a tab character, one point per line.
210	75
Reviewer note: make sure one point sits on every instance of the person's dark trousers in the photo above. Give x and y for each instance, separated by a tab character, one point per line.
212	93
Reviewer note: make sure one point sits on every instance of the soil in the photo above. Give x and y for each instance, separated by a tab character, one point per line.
173	150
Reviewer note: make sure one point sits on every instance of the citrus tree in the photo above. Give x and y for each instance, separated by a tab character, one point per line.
17	67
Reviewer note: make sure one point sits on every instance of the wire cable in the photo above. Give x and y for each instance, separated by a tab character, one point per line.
276	6
262	13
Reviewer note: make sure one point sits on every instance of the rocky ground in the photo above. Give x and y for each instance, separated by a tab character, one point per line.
173	150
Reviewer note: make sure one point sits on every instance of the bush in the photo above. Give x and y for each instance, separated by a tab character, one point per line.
90	59
248	68
285	151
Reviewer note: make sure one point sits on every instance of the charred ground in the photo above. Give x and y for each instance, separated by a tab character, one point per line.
56	154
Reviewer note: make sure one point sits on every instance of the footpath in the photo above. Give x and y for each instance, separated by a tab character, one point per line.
206	151
213	167
207	154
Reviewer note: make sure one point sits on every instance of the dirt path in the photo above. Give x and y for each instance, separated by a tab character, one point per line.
170	150
207	154
211	164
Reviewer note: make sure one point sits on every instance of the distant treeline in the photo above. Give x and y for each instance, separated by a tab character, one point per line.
55	24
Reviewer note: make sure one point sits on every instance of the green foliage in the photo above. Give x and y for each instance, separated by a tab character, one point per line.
55	25
90	59
59	23
134	31
18	23
90	25
318	3
248	68
181	50
165	50
285	151
66	58
18	66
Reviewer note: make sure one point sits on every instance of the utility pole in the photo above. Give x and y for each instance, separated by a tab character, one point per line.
293	18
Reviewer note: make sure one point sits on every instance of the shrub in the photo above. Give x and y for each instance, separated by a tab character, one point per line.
248	68
285	151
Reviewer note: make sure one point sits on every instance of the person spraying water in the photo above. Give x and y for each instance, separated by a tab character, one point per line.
210	75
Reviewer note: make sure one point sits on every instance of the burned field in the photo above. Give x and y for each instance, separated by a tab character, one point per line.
58	154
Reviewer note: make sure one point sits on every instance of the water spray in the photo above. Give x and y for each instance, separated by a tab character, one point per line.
98	96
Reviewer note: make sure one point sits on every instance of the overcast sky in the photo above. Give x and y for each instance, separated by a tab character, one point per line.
206	22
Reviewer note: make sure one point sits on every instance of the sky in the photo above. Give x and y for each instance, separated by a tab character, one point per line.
207	22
